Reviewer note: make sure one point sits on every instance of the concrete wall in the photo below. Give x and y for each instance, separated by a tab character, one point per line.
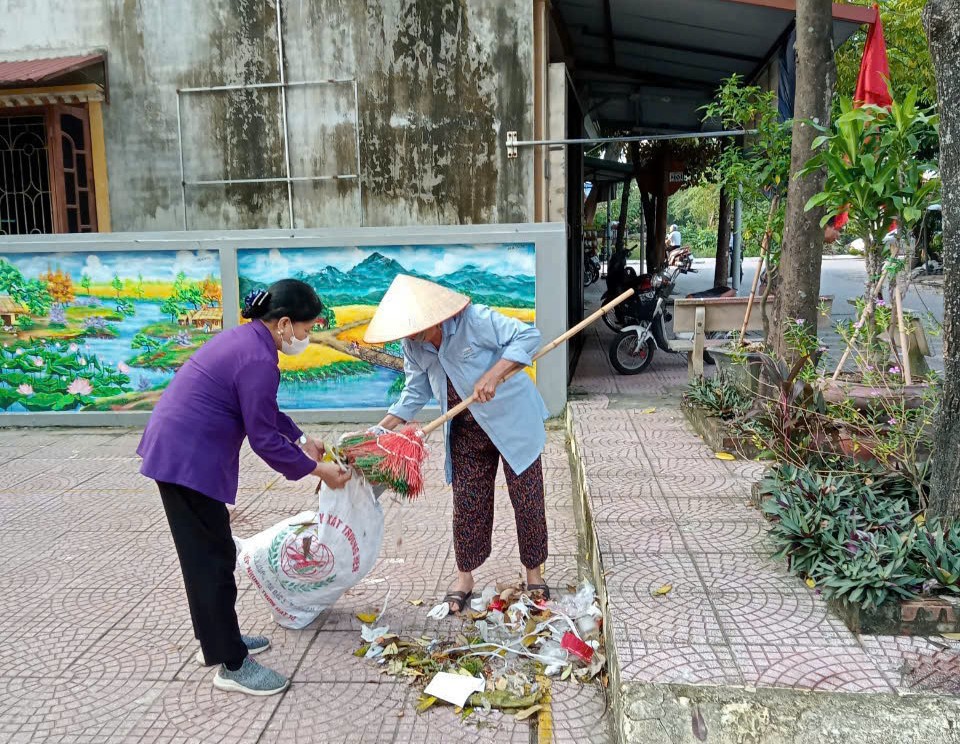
439	83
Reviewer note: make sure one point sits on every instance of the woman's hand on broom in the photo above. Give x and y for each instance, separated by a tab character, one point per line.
486	387
332	475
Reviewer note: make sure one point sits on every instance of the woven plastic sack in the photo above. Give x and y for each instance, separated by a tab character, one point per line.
302	565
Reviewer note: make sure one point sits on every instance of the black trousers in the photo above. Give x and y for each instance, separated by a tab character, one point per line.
208	556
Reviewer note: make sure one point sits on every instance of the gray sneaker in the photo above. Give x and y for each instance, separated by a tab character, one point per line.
255	645
251	679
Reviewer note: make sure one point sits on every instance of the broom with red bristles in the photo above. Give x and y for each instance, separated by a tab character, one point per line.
394	459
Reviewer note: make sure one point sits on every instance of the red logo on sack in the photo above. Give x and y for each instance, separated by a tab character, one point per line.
303	558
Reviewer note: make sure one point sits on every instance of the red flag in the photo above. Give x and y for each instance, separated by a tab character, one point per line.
873	86
873	83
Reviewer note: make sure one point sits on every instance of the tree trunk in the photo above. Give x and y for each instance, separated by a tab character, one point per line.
721	275
942	21
622	224
802	255
649	202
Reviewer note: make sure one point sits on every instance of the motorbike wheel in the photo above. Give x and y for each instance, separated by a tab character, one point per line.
610	317
626	358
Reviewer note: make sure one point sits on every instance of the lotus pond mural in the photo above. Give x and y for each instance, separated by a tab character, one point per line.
339	370
101	331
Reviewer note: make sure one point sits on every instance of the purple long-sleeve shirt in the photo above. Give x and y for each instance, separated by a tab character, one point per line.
227	390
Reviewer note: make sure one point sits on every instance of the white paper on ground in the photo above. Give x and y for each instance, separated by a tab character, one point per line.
455	689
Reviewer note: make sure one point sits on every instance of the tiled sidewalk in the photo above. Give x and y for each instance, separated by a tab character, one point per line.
97	640
665	510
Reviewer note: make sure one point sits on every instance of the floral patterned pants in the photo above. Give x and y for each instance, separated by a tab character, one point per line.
475	463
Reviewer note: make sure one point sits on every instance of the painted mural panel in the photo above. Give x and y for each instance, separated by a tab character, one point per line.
339	370
101	331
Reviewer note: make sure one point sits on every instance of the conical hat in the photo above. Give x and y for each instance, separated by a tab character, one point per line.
412	305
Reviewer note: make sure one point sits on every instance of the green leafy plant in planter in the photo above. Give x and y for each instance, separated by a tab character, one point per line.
893	432
786	418
878	573
939	546
858	536
877	175
717	395
846	533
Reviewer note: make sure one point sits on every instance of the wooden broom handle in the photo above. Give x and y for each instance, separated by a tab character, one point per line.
461	407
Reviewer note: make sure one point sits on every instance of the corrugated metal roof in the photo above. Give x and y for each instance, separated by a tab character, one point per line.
36	71
652	65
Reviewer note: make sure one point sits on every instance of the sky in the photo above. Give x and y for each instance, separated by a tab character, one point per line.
511	259
101	267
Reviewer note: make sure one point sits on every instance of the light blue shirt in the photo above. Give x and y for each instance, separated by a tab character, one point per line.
473	341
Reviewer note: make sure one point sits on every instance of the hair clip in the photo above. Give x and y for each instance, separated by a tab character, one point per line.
256	298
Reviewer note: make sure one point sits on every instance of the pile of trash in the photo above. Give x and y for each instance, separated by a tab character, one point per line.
505	653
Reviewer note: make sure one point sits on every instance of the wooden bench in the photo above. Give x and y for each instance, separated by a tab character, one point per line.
703	315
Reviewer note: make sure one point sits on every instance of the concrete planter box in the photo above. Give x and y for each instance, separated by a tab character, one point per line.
925	616
717	434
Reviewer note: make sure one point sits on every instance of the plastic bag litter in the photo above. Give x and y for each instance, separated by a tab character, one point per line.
581	604
302	565
555	657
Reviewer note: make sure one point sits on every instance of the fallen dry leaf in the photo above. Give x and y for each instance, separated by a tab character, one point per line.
523	715
951	636
367	617
725	456
811	583
662	591
416	602
649	410
425	702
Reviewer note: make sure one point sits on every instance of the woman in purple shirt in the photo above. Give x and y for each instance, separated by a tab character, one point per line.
191	448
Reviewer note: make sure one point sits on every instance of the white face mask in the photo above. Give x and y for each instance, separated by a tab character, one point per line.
295	345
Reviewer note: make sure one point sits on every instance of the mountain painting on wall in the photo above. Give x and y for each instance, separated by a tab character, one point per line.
338	370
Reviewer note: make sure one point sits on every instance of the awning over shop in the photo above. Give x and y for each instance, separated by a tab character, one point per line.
30	72
38	82
649	66
606	175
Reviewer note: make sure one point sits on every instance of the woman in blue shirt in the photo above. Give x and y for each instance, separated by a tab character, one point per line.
451	350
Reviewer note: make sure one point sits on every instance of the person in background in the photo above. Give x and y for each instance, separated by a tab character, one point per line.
191	447
453	349
673	238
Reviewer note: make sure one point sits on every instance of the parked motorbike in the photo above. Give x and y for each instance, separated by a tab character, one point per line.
591	268
633	348
619	278
646	318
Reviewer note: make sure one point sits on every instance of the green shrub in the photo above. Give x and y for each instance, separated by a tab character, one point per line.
718	395
858	535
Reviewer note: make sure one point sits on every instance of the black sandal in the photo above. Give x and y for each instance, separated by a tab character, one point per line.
459	599
542	588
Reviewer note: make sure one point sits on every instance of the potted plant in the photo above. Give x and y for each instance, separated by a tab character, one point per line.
881	175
